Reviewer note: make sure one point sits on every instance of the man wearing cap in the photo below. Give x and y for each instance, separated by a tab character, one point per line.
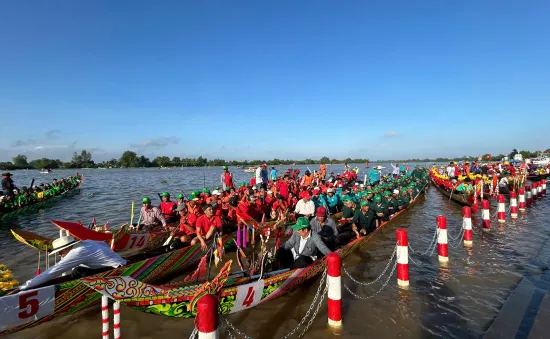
7	184
364	221
80	258
333	201
325	227
305	207
303	247
380	209
150	216
393	207
180	199
186	231
226	178
318	199
168	208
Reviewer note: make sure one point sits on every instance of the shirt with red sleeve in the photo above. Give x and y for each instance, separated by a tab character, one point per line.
168	209
282	187
204	223
185	221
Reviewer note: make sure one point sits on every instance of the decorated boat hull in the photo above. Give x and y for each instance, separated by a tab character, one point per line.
537	177
33	307
463	199
235	293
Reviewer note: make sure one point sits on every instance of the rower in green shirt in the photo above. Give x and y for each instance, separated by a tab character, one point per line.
380	209
405	199
364	221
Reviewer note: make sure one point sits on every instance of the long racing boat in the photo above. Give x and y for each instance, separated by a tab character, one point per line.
236	292
41	203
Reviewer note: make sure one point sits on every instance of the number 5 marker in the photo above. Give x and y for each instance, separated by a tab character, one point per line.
26	306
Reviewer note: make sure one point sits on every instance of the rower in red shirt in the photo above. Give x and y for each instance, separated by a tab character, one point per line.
168	208
204	227
282	187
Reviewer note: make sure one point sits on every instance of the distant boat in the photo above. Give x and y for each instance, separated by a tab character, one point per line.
45	171
250	170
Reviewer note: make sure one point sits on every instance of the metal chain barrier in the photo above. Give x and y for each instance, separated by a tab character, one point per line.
417	263
433	242
314	304
459	237
229	326
460	234
311	307
314	313
194	333
378	278
377	292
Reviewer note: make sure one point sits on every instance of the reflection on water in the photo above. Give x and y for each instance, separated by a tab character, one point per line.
457	301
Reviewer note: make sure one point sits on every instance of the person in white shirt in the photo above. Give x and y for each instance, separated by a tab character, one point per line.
450	171
259	180
80	258
305	207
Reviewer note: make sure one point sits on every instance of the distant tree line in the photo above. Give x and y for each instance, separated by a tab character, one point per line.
131	159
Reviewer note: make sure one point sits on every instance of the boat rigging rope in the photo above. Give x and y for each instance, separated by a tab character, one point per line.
378	278
377	292
229	327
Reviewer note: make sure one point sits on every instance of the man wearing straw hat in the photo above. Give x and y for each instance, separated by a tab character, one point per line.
79	258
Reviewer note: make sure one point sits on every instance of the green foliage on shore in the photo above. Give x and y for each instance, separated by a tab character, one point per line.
130	159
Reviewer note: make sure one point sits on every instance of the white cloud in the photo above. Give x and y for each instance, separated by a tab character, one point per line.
156	143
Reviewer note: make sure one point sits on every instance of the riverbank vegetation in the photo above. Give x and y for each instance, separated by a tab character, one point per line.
131	159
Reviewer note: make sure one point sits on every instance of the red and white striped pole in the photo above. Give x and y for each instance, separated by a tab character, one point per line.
207	317
513	205
467	225
534	191
402	258
334	281
539	189
116	320
522	199
442	245
475	205
486	215
528	196
543	183
501	209
105	317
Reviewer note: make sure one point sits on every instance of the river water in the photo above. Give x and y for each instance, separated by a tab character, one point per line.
458	301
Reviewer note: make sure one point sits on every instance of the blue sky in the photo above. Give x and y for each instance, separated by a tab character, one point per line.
264	79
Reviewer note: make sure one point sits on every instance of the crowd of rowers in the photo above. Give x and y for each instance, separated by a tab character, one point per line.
13	198
311	206
466	177
286	200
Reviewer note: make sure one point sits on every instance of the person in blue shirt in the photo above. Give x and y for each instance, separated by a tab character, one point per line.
273	173
333	201
374	177
318	199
